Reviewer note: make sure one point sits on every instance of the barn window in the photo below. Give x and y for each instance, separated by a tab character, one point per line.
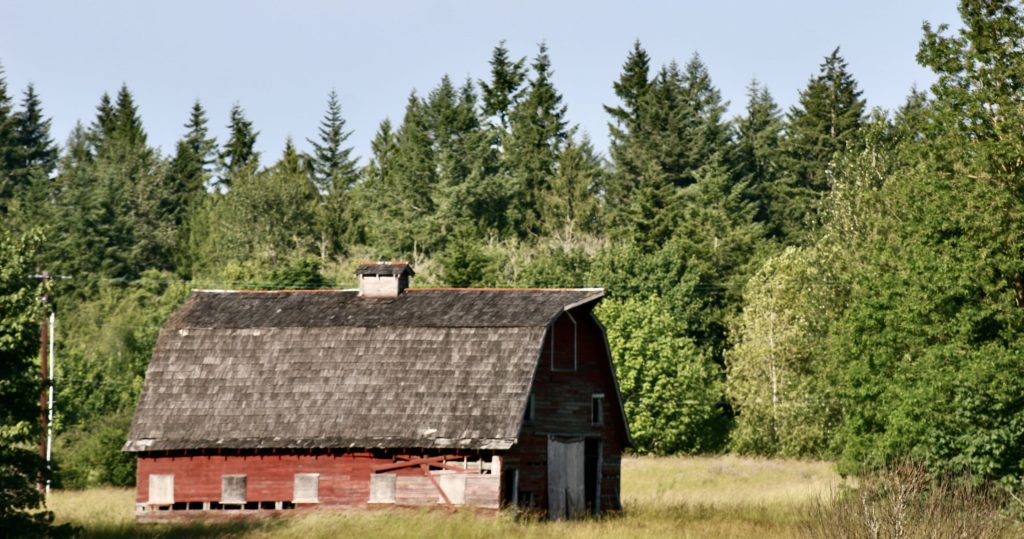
161	489
307	488
382	488
232	489
597	409
528	415
563	344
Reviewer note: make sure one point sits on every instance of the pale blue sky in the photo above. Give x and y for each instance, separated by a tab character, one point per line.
280	59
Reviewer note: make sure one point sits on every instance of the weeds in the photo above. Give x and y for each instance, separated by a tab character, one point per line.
905	502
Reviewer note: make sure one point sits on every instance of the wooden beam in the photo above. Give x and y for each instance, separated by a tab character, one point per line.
437	485
437	462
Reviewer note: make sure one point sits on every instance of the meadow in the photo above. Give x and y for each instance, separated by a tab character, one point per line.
721	496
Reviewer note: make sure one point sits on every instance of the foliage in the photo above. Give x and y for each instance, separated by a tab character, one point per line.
778	377
672	392
104	347
893	326
20	466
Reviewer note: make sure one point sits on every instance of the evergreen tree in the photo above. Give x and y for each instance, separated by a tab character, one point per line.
756	156
539	131
32	160
8	142
651	167
825	121
631	88
404	196
239	154
127	123
195	154
334	168
103	126
571	204
625	133
504	92
188	173
709	134
383	148
36	153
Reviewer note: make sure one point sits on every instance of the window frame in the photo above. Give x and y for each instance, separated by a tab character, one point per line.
597	409
575	343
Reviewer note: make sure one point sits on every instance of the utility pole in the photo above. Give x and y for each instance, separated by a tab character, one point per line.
44	348
46	363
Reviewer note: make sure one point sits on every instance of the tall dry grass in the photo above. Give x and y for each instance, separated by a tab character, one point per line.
905	502
726	496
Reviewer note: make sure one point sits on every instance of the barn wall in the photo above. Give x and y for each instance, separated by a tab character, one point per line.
562	406
344	478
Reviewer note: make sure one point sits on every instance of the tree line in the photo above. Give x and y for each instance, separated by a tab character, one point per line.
824	281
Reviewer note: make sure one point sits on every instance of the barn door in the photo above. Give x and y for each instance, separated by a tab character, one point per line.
565	478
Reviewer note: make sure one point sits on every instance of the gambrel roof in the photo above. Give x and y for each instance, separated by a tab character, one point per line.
431	368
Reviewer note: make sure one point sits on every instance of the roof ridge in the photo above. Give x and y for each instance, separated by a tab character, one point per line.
259	291
504	289
424	289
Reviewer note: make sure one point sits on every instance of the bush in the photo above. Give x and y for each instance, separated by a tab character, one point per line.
906	502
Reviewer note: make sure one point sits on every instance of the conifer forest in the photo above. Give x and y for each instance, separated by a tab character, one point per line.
824	281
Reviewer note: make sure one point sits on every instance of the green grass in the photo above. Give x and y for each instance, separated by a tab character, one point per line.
727	497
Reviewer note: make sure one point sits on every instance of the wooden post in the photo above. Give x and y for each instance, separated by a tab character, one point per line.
426	472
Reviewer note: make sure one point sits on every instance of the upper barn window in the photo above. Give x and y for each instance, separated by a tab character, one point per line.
562	343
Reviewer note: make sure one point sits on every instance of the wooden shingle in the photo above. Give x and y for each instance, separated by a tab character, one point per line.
430	368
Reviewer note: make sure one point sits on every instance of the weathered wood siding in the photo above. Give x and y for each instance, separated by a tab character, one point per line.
562	407
344	479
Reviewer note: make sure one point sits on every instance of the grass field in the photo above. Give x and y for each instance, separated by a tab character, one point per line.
663	497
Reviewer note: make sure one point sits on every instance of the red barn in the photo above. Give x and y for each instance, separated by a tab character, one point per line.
386	395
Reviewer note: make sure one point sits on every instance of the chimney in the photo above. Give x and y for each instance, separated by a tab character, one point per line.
383	279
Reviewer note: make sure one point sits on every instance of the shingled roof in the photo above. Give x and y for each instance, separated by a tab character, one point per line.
435	368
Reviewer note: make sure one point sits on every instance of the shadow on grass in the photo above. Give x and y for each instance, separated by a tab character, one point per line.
220	528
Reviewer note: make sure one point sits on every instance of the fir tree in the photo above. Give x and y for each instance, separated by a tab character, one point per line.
825	121
504	92
756	156
631	88
239	152
188	173
570	206
334	168
8	141
539	131
383	148
710	134
127	123
195	154
103	126
655	164
36	151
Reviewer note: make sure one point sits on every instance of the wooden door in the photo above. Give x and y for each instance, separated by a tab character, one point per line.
566	492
